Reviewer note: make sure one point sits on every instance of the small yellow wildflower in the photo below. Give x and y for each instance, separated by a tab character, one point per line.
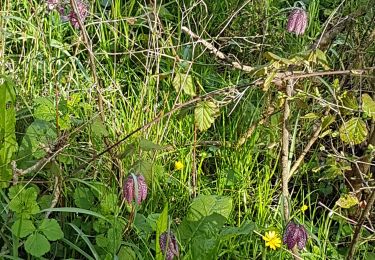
304	208
272	239
178	165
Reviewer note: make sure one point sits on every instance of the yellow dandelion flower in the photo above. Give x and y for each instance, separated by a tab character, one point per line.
178	165
272	240
304	208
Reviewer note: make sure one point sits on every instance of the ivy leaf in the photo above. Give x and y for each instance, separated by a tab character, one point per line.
37	245
368	105
22	227
353	131
347	201
51	229
205	114
185	82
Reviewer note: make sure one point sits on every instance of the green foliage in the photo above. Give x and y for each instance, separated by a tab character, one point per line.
206	205
37	245
205	113
184	82
8	144
368	106
23	201
353	131
161	226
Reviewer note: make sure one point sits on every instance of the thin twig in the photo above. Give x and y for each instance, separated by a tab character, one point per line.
358	228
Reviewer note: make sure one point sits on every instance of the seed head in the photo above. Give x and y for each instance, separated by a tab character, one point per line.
295	234
129	189
297	21
168	245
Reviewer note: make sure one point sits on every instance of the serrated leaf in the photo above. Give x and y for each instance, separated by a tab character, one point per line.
51	229
98	128
349	100
37	245
24	201
205	205
185	82
353	131
145	168
368	106
347	201
8	143
83	198
205	113
22	227
147	145
44	109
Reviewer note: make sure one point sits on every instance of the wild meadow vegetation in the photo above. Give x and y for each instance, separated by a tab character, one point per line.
189	129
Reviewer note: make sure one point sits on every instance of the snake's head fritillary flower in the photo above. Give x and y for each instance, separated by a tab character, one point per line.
130	189
52	4
297	21
295	234
168	245
272	239
82	13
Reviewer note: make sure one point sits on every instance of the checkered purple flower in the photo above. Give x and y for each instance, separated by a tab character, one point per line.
168	245
297	21
130	190
295	234
82	9
66	10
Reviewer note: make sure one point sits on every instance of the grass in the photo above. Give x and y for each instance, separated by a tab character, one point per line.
138	48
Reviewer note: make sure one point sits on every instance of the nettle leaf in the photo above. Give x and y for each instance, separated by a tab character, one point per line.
347	201
205	113
353	131
147	145
185	82
44	109
23	227
368	106
23	201
51	229
37	245
8	142
83	198
205	205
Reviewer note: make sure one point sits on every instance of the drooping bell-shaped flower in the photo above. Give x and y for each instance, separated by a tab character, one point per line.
52	4
295	234
297	21
168	245
82	13
130	189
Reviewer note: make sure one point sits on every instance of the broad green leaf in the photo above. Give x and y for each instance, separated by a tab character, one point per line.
327	121
205	113
44	109
127	253
22	227
83	198
101	240
51	229
203	235
98	128
37	245
353	131
349	100
161	226
185	82
23	201
205	205
147	145
145	168
8	143
347	201
245	229
109	203
368	106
